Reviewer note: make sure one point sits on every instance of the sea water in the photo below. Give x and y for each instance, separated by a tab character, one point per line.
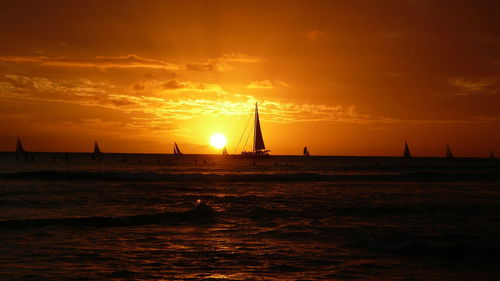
213	217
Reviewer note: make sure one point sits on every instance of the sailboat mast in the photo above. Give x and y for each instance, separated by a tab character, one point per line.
255	124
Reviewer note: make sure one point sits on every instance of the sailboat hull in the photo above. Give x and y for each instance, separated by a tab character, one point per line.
256	154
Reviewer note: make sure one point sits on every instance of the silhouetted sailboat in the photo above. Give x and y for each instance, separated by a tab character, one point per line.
407	153
449	155
224	151
259	149
306	151
177	151
19	146
97	150
492	155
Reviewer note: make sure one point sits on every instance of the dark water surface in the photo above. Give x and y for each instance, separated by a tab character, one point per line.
139	217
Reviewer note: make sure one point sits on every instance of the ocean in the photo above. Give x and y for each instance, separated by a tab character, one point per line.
211	217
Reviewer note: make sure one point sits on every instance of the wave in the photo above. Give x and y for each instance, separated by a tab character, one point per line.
253	177
202	213
430	248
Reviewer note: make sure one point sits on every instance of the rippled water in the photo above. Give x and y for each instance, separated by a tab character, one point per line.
139	217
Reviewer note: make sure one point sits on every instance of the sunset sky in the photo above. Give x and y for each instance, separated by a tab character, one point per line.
342	77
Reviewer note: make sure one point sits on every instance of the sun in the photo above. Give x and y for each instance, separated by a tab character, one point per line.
218	140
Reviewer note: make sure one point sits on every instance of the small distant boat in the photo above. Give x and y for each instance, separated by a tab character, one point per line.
407	153
449	155
259	149
177	151
306	151
19	146
224	151
97	150
492	155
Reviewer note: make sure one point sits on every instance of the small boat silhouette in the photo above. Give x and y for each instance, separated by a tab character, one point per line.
407	153
97	150
19	146
449	155
177	151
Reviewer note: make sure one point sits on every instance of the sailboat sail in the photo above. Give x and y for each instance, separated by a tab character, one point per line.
19	146
306	151
449	155
97	150
258	139
407	151
492	155
224	151
259	149
177	151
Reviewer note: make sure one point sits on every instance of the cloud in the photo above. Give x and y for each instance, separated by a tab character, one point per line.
173	85
474	86
264	84
101	62
167	107
139	86
208	66
267	84
223	63
239	58
315	35
78	91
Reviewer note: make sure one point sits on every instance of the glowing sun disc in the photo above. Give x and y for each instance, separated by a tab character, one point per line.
218	140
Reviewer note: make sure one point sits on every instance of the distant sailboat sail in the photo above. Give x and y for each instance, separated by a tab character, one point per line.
177	151
306	151
449	155
224	151
97	150
19	146
407	151
492	155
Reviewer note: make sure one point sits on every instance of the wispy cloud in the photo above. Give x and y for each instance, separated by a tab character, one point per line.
466	86
191	86
167	106
267	84
222	63
315	35
101	62
174	85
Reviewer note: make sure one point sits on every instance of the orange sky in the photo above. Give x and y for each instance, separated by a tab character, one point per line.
343	77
